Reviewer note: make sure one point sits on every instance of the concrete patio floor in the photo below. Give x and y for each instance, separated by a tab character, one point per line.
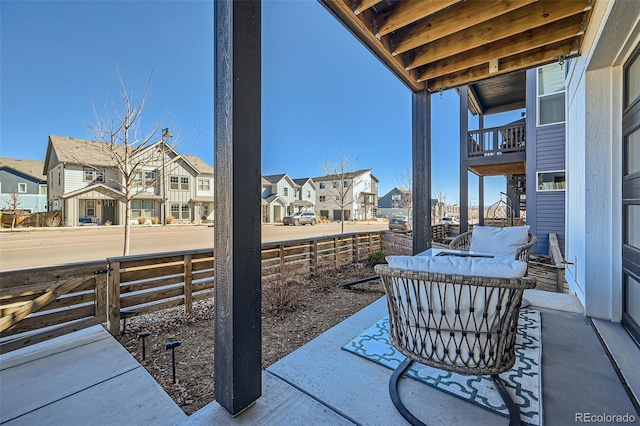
321	384
88	378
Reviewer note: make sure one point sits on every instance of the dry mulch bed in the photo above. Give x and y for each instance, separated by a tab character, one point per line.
292	315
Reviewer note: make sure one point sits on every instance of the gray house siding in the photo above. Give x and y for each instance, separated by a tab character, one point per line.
545	152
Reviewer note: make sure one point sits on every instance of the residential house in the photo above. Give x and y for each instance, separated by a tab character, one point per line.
26	179
203	201
283	196
85	184
356	191
398	202
304	194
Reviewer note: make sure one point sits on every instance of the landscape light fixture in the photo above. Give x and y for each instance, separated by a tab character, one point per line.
173	346
166	133
142	335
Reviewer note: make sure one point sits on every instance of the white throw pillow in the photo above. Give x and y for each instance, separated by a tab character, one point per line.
484	267
489	239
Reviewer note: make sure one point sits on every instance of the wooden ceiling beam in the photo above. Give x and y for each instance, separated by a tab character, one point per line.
533	58
360	26
365	5
568	28
448	22
407	12
535	16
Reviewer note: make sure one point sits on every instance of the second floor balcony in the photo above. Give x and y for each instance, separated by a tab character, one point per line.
497	150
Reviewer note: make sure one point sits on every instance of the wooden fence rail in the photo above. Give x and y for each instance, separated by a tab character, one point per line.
41	303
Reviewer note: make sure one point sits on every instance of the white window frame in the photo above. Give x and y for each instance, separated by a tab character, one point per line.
185	211
184	183
204	185
22	188
41	188
546	95
142	208
174	185
286	191
87	173
87	208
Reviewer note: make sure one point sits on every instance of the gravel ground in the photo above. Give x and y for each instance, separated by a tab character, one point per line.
292	315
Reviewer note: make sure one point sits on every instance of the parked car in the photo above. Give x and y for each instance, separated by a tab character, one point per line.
300	218
449	221
399	223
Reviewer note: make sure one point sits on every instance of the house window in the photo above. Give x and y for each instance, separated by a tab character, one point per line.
91	174
286	191
551	88
186	211
90	207
308	193
59	177
205	209
335	185
296	193
141	208
22	188
43	189
88	174
173	182
137	179
345	184
321	185
184	183
204	184
323	198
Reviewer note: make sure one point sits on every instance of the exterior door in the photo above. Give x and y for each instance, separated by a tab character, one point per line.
109	211
631	196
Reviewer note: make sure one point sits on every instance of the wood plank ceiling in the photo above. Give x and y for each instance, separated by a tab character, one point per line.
441	44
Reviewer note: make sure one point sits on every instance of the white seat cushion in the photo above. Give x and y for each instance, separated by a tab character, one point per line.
489	239
483	267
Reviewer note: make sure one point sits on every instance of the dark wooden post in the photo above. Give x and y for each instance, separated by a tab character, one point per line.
464	173
237	337
421	174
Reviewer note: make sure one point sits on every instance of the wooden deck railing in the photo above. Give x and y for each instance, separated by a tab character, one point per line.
497	140
38	304
53	300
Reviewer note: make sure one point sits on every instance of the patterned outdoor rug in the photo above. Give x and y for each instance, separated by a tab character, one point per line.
523	381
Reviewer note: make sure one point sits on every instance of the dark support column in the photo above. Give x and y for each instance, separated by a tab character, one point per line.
464	174
237	327
421	174
481	182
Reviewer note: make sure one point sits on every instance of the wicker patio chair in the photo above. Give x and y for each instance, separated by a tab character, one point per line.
463	324
463	242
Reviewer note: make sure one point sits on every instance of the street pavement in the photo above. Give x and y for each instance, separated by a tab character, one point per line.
33	247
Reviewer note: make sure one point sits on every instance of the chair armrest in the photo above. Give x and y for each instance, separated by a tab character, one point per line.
523	252
461	242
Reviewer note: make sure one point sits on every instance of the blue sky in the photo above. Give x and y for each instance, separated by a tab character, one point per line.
322	90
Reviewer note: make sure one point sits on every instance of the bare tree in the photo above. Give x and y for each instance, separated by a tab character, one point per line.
405	185
341	177
13	205
441	206
127	148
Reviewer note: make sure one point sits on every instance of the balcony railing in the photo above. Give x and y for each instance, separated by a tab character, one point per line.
497	140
